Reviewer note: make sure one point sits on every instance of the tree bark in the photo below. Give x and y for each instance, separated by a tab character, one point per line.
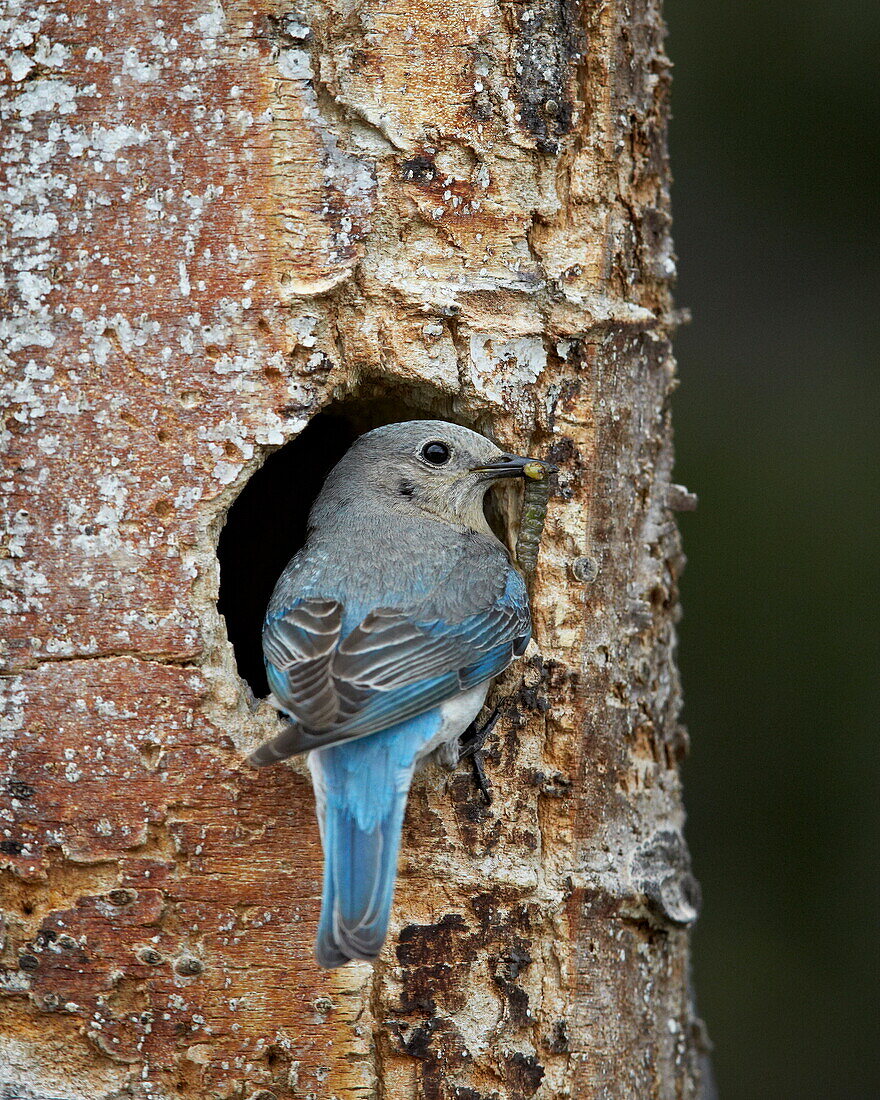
221	220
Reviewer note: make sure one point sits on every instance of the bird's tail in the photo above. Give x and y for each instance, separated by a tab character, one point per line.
360	867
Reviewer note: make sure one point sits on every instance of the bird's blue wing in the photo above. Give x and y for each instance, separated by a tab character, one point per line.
392	666
299	647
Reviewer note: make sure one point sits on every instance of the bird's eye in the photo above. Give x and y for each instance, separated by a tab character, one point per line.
436	453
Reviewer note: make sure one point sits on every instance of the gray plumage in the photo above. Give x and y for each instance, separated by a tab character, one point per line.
392	544
380	640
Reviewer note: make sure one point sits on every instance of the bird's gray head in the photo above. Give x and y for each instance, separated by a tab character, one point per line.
426	466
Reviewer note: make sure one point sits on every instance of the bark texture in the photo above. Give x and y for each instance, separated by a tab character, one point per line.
220	220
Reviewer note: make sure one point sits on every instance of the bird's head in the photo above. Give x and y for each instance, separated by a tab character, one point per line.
429	466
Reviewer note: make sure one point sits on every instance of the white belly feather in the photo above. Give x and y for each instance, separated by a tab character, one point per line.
455	717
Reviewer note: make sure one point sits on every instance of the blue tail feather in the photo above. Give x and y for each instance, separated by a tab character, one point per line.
365	786
360	868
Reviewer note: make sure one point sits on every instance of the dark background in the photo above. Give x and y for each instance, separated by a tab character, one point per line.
775	203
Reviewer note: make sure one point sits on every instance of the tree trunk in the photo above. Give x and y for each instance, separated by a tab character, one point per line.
221	221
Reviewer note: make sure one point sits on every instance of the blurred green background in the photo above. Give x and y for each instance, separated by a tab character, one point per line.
776	114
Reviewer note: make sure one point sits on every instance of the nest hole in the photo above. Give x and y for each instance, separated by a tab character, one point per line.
268	521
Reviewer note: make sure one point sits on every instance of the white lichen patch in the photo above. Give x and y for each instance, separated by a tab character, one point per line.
342	192
500	368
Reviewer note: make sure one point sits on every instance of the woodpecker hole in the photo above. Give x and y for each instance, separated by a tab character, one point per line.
267	523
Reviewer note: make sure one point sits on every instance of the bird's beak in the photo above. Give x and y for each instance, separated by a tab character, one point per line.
516	466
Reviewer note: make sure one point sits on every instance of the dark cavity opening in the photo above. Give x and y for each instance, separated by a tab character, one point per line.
266	526
267	523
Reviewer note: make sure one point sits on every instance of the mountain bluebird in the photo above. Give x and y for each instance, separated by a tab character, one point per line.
381	639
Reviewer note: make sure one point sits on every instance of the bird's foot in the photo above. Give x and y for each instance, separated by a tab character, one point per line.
471	744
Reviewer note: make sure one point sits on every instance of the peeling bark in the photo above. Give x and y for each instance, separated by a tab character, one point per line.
220	221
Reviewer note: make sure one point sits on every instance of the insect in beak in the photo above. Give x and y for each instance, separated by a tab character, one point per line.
516	466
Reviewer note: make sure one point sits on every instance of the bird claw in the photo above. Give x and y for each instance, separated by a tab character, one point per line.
480	778
471	744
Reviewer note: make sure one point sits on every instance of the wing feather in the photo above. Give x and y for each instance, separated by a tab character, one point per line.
299	645
391	667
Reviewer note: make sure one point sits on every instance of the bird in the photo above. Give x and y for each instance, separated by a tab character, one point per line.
381	640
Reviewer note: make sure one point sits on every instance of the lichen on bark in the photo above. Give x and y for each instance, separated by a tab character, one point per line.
219	221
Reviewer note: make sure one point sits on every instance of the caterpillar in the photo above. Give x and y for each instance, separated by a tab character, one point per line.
534	511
